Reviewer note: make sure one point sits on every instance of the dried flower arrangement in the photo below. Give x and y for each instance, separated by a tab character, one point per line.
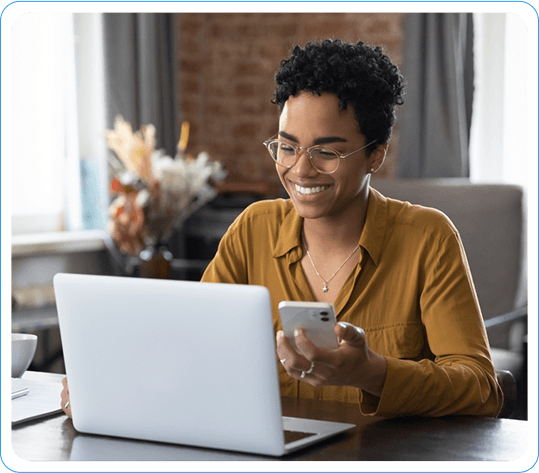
155	193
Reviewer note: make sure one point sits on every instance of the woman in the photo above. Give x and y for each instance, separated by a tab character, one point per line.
396	270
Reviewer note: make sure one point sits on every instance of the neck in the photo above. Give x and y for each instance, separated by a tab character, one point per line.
337	233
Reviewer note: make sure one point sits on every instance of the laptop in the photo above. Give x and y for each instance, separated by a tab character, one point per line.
179	362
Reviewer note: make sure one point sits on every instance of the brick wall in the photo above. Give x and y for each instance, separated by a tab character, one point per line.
227	62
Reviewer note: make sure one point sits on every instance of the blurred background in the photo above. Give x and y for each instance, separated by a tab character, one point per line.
461	142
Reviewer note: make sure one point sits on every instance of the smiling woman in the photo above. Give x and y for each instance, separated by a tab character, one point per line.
339	190
412	340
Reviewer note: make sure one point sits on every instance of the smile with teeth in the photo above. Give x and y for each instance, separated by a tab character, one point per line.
310	190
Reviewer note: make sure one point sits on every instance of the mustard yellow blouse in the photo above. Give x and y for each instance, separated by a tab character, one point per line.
412	293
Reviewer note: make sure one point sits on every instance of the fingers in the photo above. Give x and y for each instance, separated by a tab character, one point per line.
307	348
349	364
293	362
309	365
64	398
354	336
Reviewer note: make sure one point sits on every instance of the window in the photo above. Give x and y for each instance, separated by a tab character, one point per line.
500	148
57	123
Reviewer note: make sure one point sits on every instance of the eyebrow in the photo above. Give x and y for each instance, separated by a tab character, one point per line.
318	141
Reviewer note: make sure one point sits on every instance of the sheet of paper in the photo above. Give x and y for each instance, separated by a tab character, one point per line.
42	399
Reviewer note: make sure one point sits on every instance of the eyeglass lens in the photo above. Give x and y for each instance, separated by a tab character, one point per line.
323	160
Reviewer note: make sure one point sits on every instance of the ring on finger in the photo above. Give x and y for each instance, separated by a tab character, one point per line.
309	371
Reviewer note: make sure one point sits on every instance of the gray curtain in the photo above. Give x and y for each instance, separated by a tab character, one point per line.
435	118
140	63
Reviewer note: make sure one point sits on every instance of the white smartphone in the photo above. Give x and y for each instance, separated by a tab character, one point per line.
316	318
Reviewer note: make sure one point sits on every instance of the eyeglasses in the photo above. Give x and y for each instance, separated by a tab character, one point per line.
324	160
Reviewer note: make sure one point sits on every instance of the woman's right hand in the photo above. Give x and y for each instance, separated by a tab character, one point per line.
65	404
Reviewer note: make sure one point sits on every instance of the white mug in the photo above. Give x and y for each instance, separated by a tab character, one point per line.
23	349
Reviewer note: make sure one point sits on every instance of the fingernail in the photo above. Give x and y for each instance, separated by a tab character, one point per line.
343	325
296	332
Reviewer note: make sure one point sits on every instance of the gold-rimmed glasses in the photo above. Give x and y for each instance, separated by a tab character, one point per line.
323	159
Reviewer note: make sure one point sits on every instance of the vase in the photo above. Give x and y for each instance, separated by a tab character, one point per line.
155	262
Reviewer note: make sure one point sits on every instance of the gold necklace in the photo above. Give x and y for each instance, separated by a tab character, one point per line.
325	288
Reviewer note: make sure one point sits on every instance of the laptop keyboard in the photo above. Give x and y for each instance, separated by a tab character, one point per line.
291	436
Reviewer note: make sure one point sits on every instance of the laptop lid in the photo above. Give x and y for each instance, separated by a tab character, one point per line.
172	361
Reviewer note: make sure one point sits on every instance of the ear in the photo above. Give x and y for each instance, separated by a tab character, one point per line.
378	157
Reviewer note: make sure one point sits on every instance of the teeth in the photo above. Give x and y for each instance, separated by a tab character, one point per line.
310	190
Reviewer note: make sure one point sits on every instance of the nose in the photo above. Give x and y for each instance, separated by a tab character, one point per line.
303	166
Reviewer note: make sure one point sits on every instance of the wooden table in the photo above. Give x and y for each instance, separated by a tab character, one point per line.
411	438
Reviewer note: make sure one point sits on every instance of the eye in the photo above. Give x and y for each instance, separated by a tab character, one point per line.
286	148
325	153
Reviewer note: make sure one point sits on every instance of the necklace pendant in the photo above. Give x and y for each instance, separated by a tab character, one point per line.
325	289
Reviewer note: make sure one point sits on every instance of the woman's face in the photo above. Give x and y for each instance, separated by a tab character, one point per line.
308	119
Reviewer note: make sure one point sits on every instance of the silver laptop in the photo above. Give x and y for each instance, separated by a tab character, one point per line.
177	361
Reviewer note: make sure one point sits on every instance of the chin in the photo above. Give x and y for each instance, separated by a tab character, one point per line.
309	211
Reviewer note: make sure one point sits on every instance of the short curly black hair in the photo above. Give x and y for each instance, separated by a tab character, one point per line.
358	74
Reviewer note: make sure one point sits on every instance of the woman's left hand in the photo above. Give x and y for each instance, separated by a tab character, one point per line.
353	363
64	396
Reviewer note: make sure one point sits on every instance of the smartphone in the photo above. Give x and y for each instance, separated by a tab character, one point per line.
316	318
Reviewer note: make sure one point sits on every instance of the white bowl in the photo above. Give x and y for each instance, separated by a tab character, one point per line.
23	348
